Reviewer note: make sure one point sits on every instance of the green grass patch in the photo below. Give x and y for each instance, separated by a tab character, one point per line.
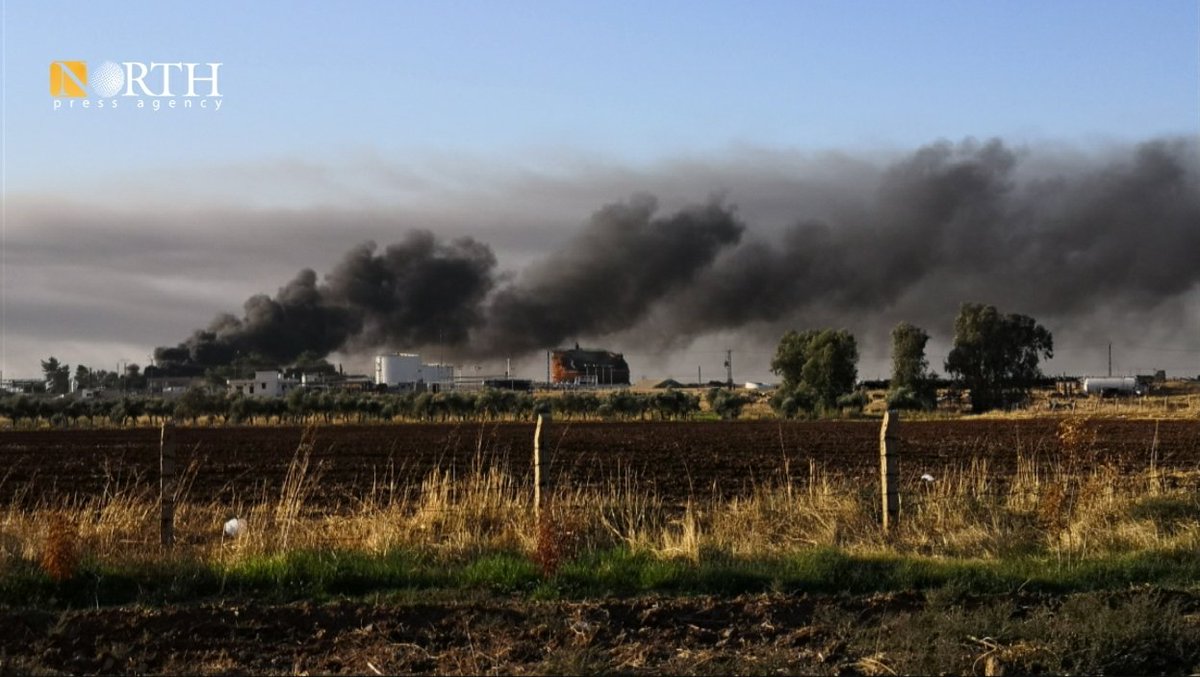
504	572
617	572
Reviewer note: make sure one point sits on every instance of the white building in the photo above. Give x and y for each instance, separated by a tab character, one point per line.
264	384
405	370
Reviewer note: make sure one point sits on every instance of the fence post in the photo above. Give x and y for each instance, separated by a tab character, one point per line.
889	452
166	499
537	468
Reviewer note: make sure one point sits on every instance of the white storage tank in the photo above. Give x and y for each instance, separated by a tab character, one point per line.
397	368
1112	385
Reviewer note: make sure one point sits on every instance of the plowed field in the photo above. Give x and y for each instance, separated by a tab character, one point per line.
677	460
902	633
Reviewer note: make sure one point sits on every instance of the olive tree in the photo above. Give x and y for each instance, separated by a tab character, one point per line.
726	404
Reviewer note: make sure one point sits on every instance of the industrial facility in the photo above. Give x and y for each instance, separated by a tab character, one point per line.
405	371
588	367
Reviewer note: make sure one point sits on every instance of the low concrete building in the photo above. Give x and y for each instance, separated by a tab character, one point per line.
172	386
265	384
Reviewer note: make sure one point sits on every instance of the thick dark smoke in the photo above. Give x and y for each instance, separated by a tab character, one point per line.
608	277
415	292
957	222
421	292
948	223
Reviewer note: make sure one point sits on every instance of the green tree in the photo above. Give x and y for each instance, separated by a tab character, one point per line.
23	408
627	404
105	379
297	404
133	378
790	402
275	407
725	403
912	385
135	407
58	376
239	408
996	356
118	414
459	405
821	362
193	404
159	409
422	406
83	377
674	404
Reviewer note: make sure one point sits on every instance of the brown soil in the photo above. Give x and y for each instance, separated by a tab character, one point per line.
677	460
901	633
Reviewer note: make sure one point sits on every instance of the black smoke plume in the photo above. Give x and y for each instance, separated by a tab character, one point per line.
953	223
1053	235
422	292
608	277
415	292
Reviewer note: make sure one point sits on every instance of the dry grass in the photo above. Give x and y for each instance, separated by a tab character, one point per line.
1070	508
60	551
1183	404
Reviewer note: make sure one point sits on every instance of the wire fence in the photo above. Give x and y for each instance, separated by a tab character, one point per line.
482	484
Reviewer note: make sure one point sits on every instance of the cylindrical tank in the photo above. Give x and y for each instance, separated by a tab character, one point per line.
392	370
1113	385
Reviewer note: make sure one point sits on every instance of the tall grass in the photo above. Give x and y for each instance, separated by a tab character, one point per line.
1070	511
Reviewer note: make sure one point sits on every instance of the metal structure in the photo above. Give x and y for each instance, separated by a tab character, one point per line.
399	370
1113	386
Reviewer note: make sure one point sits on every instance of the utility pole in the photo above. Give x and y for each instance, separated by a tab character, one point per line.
699	378
1110	359
729	368
547	368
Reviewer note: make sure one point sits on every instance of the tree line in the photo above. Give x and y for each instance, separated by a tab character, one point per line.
315	406
57	378
995	358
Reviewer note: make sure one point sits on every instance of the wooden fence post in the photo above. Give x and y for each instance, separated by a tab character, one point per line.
539	480
889	452
537	468
166	499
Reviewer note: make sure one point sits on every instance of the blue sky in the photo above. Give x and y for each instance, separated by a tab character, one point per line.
632	81
512	122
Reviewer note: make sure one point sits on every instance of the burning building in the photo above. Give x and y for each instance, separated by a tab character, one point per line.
589	367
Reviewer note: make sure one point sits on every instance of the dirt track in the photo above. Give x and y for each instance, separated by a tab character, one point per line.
676	459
